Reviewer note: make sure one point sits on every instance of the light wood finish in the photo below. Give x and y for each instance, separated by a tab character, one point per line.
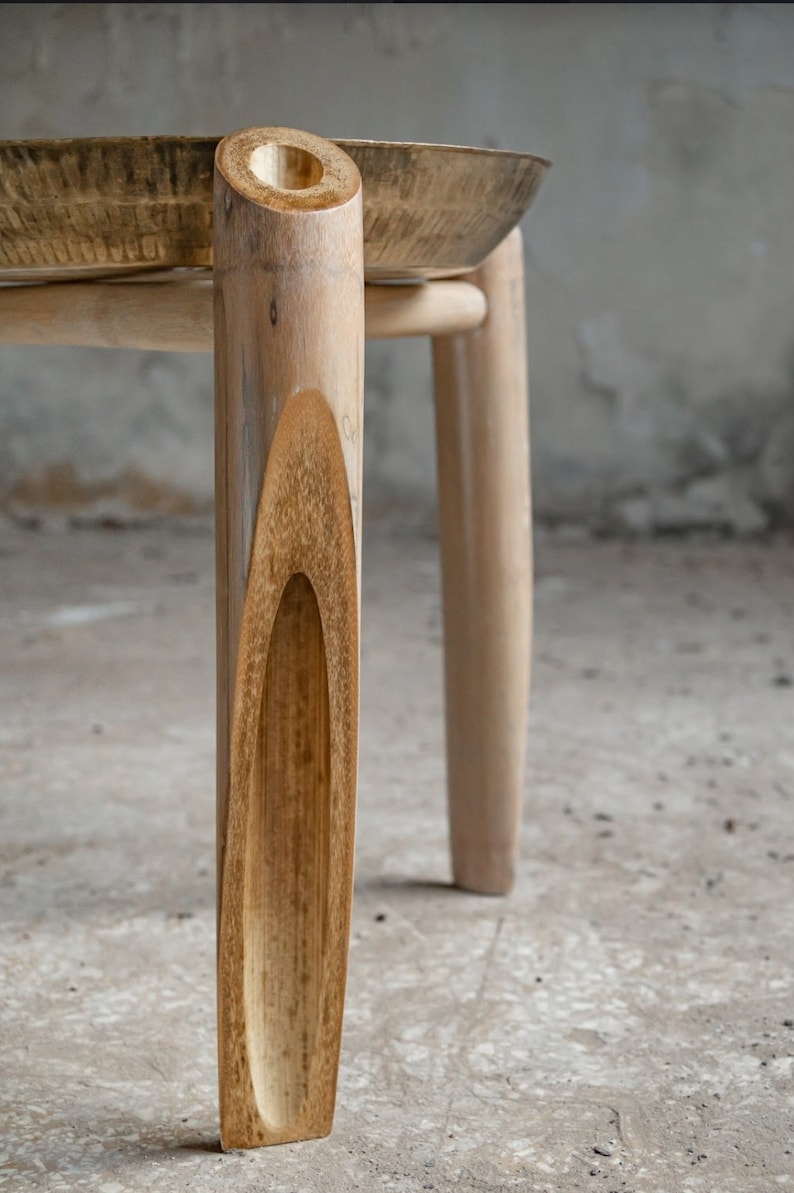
177	316
289	338
432	309
160	316
102	206
484	506
290	246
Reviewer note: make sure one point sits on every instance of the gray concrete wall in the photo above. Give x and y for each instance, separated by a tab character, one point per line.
660	253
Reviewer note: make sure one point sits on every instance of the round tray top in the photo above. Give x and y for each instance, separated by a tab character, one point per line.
101	206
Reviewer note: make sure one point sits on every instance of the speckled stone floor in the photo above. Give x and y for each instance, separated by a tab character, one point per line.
623	1022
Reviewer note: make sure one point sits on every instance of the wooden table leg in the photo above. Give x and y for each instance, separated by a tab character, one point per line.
289	339
484	506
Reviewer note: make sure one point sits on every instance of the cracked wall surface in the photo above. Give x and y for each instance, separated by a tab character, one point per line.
660	252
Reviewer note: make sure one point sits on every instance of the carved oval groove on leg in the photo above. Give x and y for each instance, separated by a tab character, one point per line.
286	905
287	877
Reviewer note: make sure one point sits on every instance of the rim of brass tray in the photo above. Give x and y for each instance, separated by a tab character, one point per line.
114	206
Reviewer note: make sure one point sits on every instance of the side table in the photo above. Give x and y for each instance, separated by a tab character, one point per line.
282	259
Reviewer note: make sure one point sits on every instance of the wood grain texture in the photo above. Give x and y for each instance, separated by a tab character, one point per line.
439	210
436	308
289	335
158	316
286	878
178	317
484	508
104	206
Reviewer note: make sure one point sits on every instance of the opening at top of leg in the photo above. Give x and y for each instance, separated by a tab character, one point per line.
286	167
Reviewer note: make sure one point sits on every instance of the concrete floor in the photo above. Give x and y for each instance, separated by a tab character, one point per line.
623	1022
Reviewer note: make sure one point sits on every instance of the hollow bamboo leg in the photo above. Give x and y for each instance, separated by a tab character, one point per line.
484	507
289	336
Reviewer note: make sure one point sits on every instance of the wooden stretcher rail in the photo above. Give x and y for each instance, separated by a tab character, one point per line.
177	316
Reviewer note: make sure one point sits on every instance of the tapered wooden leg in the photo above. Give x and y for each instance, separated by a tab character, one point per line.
484	506
289	337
